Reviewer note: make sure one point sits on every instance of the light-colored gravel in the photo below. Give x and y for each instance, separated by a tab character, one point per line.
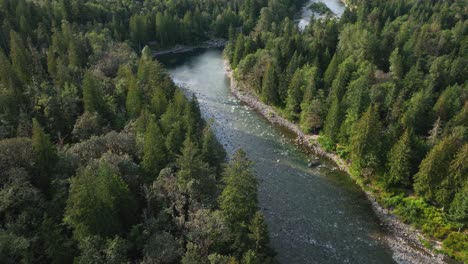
403	240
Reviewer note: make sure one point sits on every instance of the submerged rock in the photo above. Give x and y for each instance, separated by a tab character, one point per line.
313	163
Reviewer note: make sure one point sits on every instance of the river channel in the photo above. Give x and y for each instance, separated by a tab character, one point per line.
314	215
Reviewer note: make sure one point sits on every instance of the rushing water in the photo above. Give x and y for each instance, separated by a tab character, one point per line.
336	6
314	215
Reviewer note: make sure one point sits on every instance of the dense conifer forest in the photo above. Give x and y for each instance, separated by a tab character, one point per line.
102	158
385	86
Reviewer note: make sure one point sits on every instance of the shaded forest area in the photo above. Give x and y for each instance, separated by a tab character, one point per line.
386	89
102	158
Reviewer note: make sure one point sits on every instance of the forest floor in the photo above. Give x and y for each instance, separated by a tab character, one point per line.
404	240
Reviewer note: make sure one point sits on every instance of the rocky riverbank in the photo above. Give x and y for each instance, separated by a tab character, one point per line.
403	239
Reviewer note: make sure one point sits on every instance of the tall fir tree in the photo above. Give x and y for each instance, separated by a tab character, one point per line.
133	102
20	58
45	156
269	85
399	161
433	180
366	143
154	151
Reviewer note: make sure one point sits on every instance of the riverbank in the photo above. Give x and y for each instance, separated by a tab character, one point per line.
211	43
404	240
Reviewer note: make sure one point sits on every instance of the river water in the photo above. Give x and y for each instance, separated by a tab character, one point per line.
336	6
314	215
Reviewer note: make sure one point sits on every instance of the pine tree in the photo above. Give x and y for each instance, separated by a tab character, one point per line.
45	156
333	120
311	118
396	64
238	201
238	51
399	161
158	102
212	151
8	78
133	102
154	151
194	175
287	77
20	58
259	234
91	95
366	143
295	96
432	180
331	71
269	85
99	203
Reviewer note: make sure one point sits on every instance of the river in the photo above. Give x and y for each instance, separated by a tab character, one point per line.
314	215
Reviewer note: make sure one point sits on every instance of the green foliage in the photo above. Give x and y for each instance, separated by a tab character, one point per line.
99	203
45	156
239	196
269	85
154	151
20	58
433	181
399	161
95	249
212	151
366	143
133	103
326	143
417	212
259	234
456	245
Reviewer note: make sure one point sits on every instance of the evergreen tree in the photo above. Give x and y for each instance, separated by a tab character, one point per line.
133	102
99	203
238	51
366	143
20	58
158	102
433	181
269	85
295	96
91	94
331	71
259	234
396	64
399	161
45	156
238	201
212	151
333	120
154	151
194	175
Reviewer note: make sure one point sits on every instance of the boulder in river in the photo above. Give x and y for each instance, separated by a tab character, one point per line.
313	163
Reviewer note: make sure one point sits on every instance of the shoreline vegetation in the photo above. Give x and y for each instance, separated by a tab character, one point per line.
211	43
405	241
320	9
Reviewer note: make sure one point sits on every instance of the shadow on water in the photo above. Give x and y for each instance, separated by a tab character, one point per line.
314	215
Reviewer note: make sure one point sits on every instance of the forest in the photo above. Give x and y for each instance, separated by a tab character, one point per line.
385	87
103	159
